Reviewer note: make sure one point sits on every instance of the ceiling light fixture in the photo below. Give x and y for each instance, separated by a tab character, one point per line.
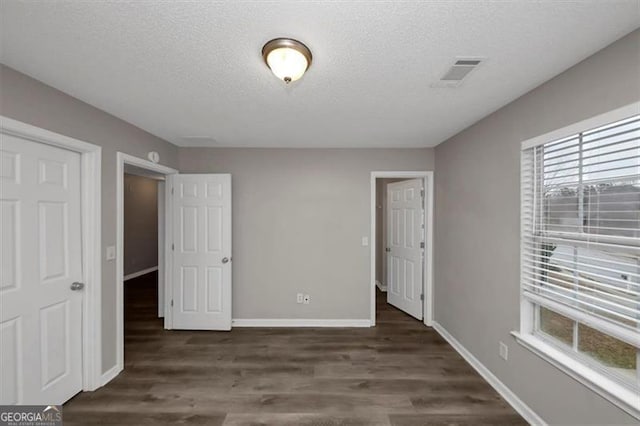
287	58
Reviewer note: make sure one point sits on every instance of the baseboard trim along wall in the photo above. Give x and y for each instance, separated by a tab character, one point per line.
110	374
523	409
381	286
248	322
140	273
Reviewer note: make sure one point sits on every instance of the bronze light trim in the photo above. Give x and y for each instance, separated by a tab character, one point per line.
290	43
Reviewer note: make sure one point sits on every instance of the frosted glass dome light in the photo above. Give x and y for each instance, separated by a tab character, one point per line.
288	59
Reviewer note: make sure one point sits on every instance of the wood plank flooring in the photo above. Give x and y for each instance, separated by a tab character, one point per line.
398	373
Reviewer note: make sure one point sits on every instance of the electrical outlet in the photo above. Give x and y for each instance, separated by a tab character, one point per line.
300	298
504	351
307	299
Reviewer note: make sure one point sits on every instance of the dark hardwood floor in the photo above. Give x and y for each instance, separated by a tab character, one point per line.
398	373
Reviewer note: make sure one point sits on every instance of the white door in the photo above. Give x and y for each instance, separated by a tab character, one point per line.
405	245
201	249
41	316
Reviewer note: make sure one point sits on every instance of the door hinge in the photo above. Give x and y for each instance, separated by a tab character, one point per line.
422	297
387	249
171	191
173	247
172	303
422	245
422	192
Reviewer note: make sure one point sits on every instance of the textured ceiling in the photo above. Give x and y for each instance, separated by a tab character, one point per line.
192	73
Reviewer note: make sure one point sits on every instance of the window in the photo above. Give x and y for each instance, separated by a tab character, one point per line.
580	251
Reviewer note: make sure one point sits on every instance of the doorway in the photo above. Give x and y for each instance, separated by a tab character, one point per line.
194	249
139	183
143	286
401	246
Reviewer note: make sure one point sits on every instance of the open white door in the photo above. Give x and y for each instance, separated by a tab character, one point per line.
201	251
405	240
40	291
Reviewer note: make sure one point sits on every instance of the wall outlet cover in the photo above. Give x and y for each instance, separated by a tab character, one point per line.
504	351
300	298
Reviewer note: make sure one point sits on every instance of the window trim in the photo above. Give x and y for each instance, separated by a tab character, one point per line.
604	386
593	321
584	125
596	380
581	358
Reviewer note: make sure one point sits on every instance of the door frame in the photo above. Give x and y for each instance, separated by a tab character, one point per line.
427	177
122	160
91	211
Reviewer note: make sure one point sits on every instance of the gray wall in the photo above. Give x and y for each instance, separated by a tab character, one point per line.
25	99
140	223
298	219
477	228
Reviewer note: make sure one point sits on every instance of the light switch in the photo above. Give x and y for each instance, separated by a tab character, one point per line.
365	241
111	253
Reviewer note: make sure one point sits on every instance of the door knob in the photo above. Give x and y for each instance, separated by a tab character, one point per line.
225	260
77	286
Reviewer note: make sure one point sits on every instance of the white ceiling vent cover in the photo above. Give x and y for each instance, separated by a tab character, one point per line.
460	69
196	141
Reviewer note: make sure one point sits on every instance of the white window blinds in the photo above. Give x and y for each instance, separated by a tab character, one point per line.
581	226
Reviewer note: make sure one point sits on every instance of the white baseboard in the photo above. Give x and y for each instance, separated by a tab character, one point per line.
382	287
249	322
110	374
140	273
523	409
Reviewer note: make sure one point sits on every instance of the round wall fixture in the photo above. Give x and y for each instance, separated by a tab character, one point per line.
287	58
153	156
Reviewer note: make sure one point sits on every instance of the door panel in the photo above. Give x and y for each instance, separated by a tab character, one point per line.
53	225
189	285
41	317
214	289
10	248
11	354
202	252
405	256
214	229
54	323
189	231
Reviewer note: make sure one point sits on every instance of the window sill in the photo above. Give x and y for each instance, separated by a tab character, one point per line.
619	395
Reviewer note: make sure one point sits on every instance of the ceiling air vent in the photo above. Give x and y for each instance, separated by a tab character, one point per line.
195	141
460	69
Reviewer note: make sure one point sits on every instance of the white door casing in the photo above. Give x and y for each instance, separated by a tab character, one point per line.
41	317
161	247
201	251
405	246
